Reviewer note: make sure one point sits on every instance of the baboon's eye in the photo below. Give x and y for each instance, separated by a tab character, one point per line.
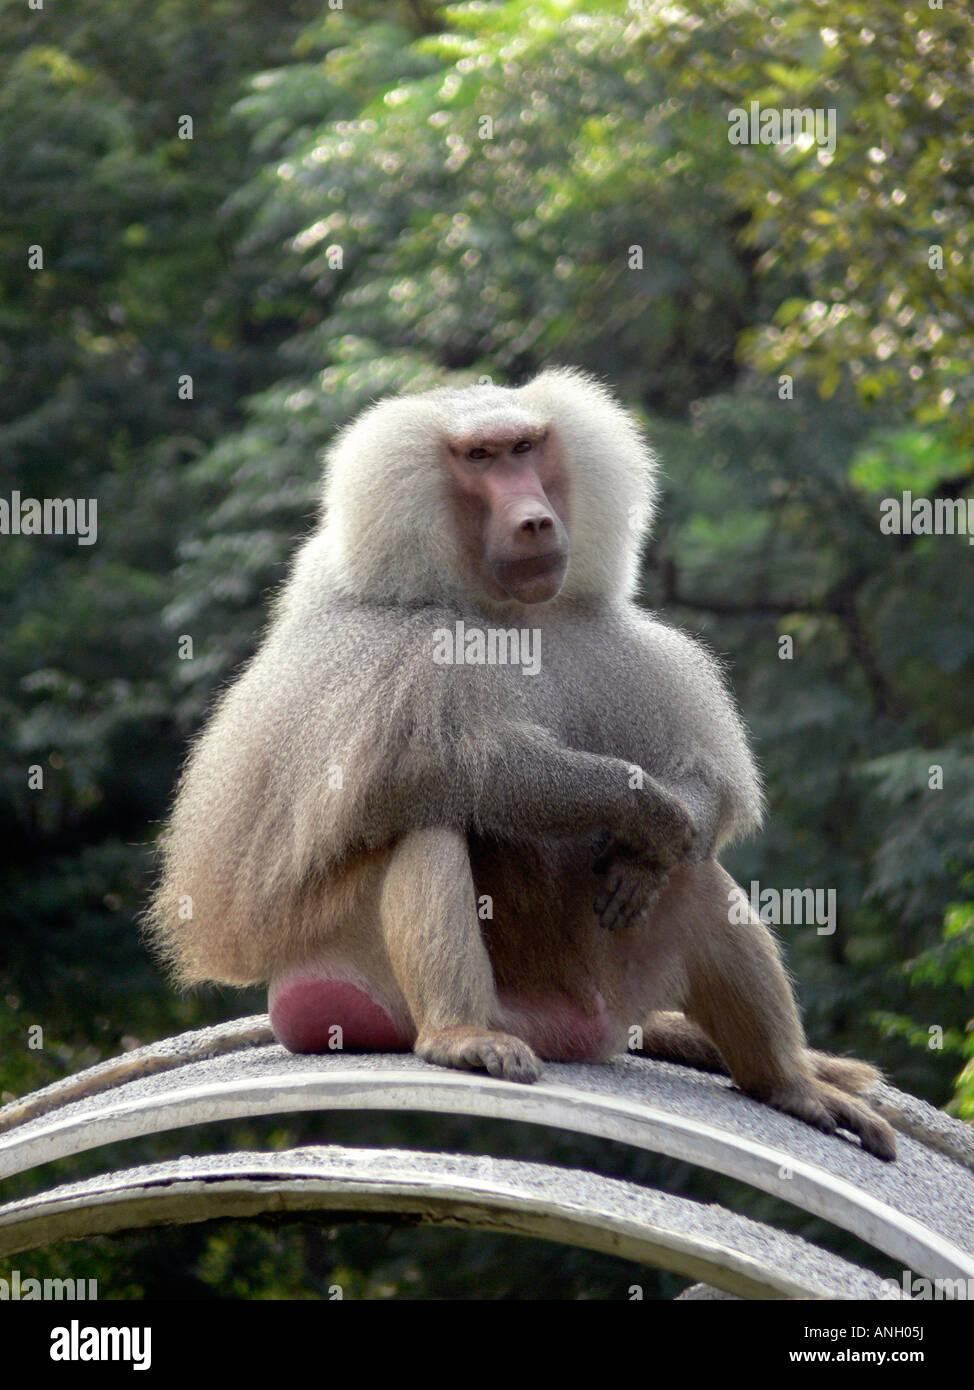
477	453
522	446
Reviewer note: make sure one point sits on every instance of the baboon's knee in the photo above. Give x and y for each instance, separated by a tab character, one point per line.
428	878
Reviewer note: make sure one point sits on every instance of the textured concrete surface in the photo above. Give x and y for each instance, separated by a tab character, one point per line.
740	1256
921	1121
919	1209
196	1045
703	1293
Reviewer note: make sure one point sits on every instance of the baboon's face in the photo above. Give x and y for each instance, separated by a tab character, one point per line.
509	502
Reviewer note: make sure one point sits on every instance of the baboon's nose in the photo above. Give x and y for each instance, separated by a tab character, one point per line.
532	525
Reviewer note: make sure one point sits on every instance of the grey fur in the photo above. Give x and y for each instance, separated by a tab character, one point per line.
345	678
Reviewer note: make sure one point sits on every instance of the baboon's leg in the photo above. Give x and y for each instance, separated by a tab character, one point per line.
738	994
672	1037
432	935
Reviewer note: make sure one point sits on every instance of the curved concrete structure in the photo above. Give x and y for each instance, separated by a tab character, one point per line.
737	1255
920	1209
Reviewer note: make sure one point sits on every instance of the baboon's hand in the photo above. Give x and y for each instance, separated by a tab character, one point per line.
665	833
827	1108
633	882
636	871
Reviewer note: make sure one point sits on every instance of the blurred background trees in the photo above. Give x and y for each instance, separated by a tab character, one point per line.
385	196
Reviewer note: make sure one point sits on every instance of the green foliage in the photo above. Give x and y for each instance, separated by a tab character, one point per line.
949	964
876	233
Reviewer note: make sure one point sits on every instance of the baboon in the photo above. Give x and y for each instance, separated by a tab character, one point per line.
468	797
